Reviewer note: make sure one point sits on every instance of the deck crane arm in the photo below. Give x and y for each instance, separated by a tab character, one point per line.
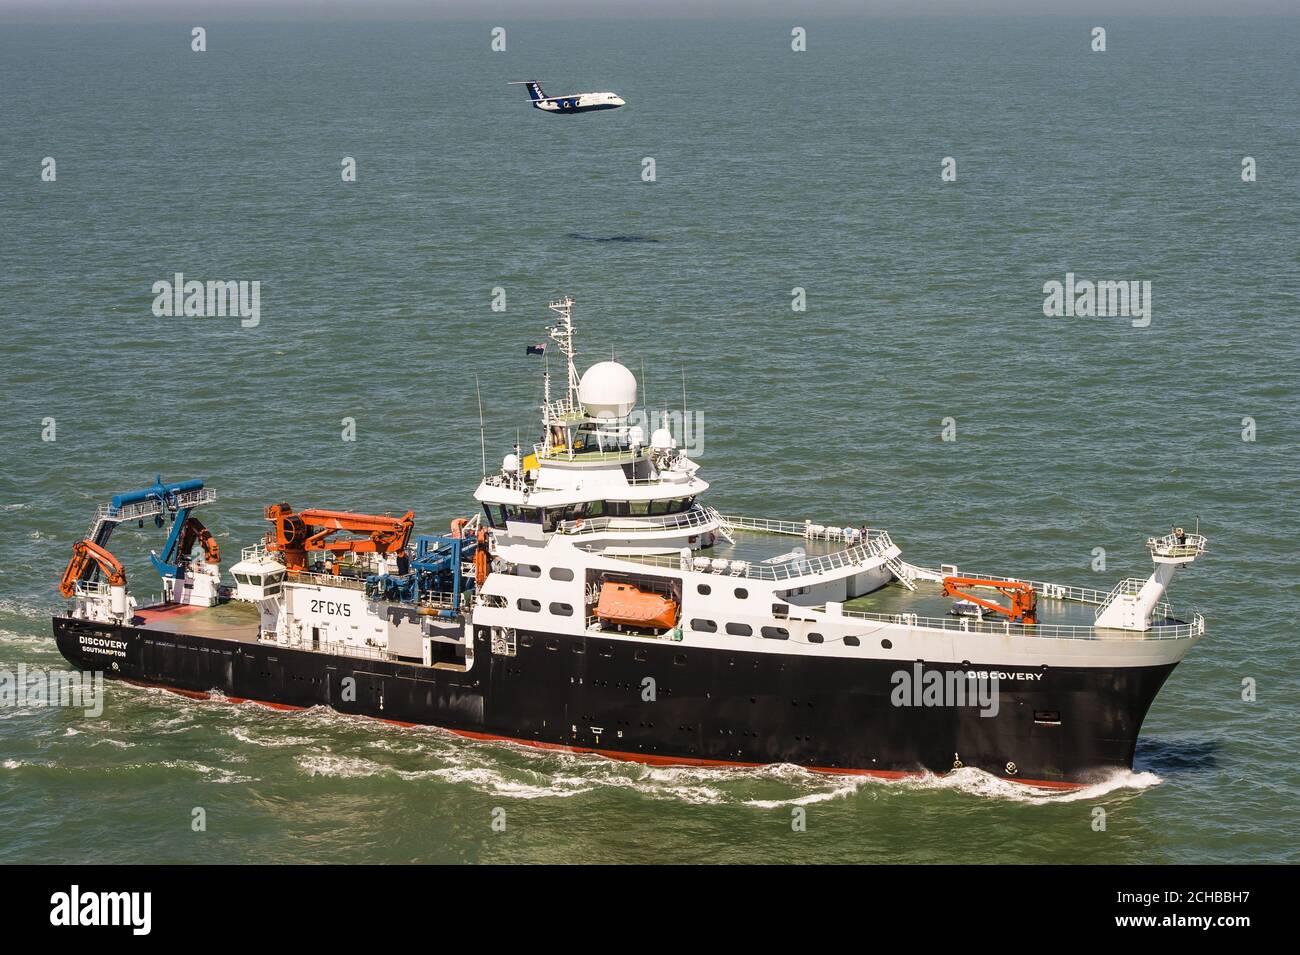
86	554
296	534
194	533
1024	599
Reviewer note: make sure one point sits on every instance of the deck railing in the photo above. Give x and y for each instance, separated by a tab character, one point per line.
340	649
1045	630
148	508
877	544
695	517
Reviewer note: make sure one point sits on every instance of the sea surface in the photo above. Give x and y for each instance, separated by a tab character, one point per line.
774	170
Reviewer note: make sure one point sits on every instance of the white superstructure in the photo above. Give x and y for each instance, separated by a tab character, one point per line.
595	505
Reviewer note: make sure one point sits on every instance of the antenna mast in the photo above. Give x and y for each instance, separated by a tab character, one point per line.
482	442
562	335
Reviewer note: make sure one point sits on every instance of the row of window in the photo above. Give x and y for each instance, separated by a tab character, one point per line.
532	570
706	589
529	605
550	517
771	633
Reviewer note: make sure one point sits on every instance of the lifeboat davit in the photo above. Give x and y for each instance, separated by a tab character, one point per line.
631	606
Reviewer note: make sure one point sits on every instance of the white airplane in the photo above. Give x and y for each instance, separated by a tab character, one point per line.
572	103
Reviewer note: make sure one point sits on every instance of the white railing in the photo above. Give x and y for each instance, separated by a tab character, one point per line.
339	649
563	409
856	556
1053	591
695	517
326	580
764	525
1129	586
93	590
1050	631
149	508
1172	545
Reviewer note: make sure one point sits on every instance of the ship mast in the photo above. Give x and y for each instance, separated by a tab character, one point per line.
562	335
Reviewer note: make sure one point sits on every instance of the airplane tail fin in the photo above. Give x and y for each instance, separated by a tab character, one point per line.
534	89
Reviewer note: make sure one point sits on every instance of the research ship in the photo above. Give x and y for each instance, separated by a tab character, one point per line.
595	603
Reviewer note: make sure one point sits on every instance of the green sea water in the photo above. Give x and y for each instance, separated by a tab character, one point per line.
773	170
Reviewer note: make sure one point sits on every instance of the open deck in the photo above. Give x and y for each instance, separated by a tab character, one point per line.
232	620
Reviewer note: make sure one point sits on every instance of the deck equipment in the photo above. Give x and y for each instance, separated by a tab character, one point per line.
1024	600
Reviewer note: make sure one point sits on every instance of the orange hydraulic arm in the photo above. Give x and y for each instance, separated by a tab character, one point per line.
193	532
85	553
1024	601
297	533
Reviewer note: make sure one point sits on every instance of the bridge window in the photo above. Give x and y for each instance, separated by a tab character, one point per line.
704	626
740	630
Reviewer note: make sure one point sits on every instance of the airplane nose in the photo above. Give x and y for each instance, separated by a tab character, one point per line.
619	101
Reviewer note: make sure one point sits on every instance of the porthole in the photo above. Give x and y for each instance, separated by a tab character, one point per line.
741	593
852	642
776	633
704	589
887	644
815	638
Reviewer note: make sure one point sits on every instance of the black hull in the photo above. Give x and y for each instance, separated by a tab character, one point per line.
711	706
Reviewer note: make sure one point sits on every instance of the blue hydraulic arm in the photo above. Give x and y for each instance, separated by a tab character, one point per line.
166	496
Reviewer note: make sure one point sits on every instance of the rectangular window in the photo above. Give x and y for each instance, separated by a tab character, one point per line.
529	605
704	626
562	610
740	630
776	633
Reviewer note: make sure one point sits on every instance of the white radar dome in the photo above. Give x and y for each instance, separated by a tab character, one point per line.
662	440
607	390
510	463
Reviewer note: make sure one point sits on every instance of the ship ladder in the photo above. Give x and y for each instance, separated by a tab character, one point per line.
724	526
902	571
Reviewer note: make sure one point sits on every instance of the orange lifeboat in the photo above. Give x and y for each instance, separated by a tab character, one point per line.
631	606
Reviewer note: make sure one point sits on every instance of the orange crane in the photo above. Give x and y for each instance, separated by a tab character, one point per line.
84	553
298	533
193	532
1024	600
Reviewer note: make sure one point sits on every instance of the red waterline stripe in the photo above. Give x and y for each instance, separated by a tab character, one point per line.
650	759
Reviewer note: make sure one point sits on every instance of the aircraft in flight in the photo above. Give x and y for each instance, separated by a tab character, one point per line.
571	103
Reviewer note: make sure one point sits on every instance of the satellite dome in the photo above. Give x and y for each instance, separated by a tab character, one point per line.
607	390
662	440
